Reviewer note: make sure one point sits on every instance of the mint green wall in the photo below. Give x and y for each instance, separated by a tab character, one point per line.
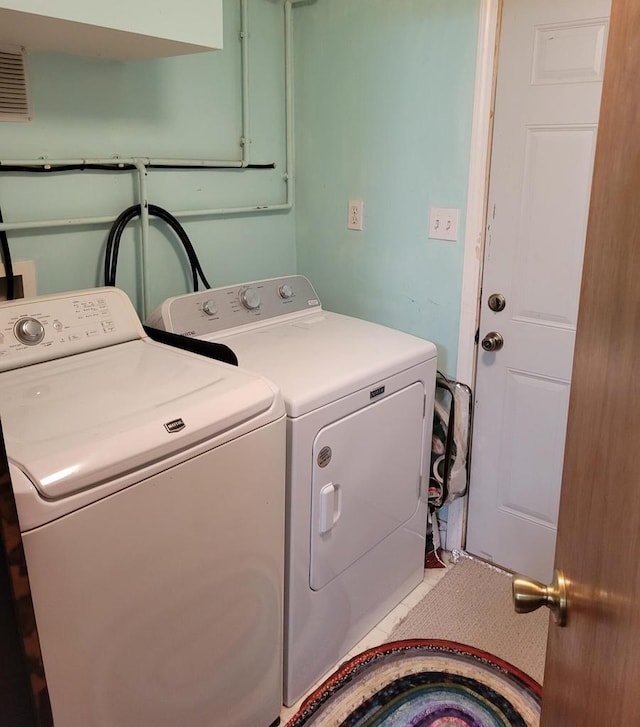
186	107
384	101
384	93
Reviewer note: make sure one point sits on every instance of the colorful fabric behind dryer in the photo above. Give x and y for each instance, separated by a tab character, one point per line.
449	442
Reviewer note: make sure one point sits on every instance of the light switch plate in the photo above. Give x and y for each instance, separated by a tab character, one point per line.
443	224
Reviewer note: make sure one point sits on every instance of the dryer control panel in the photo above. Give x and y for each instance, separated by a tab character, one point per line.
47	327
221	309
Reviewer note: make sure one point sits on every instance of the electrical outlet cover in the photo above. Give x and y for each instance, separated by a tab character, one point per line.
355	214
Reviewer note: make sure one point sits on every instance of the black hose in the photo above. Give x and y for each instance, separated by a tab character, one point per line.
8	264
210	349
115	234
115	167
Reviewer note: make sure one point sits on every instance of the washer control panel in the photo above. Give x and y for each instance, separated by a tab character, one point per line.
221	309
39	329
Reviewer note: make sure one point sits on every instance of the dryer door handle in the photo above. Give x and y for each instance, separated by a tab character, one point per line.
330	507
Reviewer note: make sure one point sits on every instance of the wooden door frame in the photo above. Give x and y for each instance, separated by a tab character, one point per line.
490	13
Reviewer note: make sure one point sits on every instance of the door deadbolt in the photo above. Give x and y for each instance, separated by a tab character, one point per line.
496	302
492	341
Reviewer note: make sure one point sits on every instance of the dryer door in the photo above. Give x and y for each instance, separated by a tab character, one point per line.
366	480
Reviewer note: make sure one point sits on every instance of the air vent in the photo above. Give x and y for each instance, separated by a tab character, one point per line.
14	95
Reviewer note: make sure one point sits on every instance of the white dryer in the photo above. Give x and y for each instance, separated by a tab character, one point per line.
149	485
359	401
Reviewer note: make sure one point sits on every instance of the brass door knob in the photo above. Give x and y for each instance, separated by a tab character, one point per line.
529	595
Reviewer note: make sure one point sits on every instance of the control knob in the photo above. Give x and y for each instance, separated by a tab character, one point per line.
29	331
209	307
250	298
285	291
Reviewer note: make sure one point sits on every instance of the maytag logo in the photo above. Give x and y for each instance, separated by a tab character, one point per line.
174	426
376	392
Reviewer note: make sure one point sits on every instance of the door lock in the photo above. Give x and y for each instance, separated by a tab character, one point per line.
492	341
496	302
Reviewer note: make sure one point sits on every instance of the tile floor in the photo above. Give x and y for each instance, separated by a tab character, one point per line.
380	633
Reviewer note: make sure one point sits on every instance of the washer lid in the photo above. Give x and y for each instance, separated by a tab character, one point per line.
76	422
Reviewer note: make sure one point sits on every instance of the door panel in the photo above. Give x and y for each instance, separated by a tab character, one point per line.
534	460
547	104
557	178
366	480
570	52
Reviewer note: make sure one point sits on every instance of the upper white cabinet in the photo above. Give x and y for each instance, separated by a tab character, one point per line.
118	29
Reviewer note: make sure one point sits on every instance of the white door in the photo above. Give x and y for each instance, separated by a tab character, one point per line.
551	62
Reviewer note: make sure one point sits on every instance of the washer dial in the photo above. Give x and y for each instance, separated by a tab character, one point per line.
210	307
29	331
250	298
285	291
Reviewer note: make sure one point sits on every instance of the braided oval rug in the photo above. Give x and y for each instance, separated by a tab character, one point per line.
423	683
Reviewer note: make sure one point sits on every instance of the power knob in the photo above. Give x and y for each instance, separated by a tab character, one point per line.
250	298
29	331
209	307
285	291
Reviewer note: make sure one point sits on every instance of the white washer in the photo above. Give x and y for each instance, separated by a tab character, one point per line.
149	484
359	400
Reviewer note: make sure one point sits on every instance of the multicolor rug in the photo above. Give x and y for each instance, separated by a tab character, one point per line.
423	683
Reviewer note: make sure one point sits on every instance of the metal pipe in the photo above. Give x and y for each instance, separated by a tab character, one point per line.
142	164
144	242
289	136
109	219
221	211
288	100
122	162
59	222
245	139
